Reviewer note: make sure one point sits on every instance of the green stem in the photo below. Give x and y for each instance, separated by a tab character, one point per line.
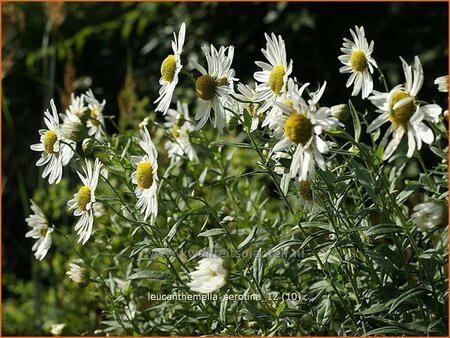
311	245
382	78
101	281
427	174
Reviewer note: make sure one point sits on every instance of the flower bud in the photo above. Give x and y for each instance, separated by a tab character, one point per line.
442	83
340	111
232	122
78	275
307	321
144	123
73	131
88	146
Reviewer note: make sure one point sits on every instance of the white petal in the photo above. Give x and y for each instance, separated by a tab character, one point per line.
379	121
393	144
411	143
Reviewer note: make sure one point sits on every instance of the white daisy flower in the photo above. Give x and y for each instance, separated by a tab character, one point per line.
215	86
358	61
73	128
179	123
275	112
274	75
57	329
401	108
247	93
442	83
170	68
146	177
302	125
428	215
209	276
78	108
77	274
41	231
55	154
96	121
83	201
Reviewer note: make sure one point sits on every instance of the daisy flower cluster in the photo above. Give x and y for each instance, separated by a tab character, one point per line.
276	100
153	182
277	104
400	106
83	126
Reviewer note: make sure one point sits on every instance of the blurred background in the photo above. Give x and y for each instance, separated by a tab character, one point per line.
50	50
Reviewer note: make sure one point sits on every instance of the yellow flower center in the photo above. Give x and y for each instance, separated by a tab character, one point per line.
298	128
93	116
402	114
205	87
304	188
83	197
43	231
176	131
50	139
212	273
358	60
289	103
144	175
252	109
168	68
276	79
222	82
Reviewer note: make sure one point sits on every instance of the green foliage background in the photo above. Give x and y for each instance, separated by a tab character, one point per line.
117	48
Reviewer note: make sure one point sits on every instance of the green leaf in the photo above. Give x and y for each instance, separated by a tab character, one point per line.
285	183
408	191
344	178
258	267
439	152
126	30
382	229
202	177
248	239
391	330
247	119
212	232
163	251
386	257
280	309
376	308
438	327
410	295
173	231
257	315
419	325
320	225
231	144
283	245
364	178
356	121
175	227
324	313
223	311
161	275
